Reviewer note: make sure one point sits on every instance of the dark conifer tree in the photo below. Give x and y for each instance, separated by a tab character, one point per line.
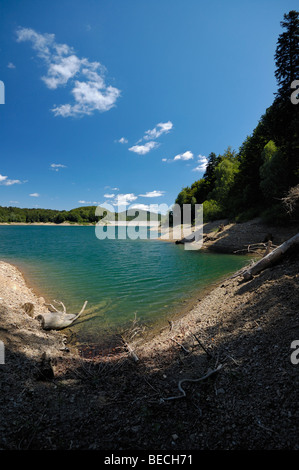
287	54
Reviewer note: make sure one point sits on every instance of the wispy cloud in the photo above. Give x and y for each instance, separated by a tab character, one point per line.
143	207
144	149
154	193
181	156
184	156
161	128
124	199
202	164
5	181
57	166
155	133
10	65
89	89
120	200
34	195
122	140
112	189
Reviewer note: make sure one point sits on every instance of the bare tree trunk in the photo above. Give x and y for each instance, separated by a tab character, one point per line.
58	320
271	258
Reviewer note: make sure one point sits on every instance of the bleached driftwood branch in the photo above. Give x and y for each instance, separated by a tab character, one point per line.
130	350
271	258
183	393
57	319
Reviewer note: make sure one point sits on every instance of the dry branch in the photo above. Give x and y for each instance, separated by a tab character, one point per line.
203	347
130	350
183	393
271	258
183	347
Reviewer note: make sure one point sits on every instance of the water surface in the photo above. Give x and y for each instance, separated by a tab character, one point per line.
120	278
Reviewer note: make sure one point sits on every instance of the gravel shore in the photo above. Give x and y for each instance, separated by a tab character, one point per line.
112	401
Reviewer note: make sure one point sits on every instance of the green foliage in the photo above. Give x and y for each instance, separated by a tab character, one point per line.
16	214
273	180
80	215
211	210
225	173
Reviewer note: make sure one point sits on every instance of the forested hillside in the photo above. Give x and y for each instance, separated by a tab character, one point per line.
15	214
254	180
80	215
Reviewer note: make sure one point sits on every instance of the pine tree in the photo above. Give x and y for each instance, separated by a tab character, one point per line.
287	54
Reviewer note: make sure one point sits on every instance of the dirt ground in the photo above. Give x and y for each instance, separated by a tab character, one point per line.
235	345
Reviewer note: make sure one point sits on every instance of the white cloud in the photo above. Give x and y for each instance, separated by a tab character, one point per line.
5	181
122	140
57	166
124	199
203	161
109	196
10	65
143	207
89	89
184	156
84	202
34	195
60	73
154	193
161	128
143	149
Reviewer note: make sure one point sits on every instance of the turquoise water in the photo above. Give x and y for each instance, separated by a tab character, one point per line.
120	278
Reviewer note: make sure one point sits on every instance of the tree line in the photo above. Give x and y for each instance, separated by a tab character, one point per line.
254	180
81	215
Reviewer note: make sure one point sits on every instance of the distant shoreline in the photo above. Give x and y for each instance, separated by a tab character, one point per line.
75	224
52	224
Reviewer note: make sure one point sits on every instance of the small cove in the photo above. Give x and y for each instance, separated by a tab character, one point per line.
154	280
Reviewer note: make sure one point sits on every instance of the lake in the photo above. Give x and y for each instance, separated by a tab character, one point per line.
121	278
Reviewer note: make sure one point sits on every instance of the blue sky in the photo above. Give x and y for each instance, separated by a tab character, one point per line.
123	100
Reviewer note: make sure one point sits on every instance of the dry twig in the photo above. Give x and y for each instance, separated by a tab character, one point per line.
183	393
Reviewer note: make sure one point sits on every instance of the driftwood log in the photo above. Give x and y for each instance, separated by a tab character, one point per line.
57	319
271	258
